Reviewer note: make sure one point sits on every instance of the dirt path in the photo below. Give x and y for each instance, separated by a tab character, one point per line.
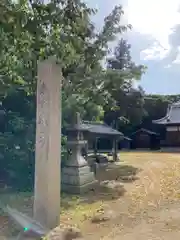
150	209
159	224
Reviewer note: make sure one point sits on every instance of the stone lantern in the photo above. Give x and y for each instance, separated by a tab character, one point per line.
76	174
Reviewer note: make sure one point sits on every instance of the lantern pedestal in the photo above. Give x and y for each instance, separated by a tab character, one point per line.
76	174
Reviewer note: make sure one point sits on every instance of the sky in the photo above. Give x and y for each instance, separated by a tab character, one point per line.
155	39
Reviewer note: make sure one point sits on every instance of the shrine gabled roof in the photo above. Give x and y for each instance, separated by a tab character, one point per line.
172	116
127	138
94	128
145	131
99	128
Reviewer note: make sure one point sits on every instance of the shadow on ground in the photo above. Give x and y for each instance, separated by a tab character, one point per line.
123	173
110	185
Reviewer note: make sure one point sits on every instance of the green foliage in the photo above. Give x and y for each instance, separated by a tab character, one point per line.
17	154
32	30
127	106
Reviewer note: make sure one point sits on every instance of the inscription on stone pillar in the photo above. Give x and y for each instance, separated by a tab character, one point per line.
43	100
48	144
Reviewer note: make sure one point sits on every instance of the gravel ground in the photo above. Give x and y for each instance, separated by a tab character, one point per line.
147	209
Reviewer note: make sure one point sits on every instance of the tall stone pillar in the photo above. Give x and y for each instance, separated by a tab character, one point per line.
48	144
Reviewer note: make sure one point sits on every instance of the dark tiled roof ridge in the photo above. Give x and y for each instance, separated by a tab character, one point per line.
95	123
95	127
145	130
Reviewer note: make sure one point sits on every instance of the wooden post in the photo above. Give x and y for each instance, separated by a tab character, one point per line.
115	157
115	149
48	144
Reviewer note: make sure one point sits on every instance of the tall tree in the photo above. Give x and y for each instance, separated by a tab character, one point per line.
122	56
32	30
128	101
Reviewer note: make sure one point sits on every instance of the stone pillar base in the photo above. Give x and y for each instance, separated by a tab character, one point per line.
77	180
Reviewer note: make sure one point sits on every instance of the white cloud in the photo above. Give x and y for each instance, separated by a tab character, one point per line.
154	17
154	42
155	52
177	60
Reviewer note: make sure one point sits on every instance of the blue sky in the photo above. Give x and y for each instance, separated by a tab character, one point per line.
155	39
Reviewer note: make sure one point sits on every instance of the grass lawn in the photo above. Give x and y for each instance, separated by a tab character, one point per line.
151	182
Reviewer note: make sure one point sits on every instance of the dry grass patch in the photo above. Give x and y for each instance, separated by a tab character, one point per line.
79	210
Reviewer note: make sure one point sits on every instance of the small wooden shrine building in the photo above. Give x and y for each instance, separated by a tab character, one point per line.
100	137
172	124
144	138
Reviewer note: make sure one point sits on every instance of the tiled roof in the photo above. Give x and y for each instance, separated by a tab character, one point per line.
96	128
100	128
127	138
145	131
172	116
